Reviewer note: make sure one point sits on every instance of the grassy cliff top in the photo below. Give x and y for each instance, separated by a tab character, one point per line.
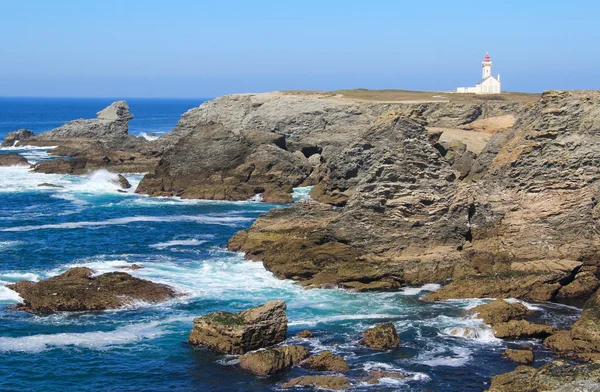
418	96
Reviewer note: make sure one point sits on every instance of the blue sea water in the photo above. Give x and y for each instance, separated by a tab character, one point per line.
182	243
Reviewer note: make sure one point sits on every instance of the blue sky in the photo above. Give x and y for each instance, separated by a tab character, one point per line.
194	48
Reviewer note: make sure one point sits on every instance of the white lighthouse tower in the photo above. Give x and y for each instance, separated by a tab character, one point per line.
488	83
486	67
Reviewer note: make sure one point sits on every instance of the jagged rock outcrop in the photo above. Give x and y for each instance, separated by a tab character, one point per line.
533	225
399	222
93	144
382	336
111	122
239	333
305	334
553	376
77	290
17	138
13	160
273	360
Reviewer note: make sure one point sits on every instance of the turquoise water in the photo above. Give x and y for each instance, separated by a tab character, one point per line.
44	231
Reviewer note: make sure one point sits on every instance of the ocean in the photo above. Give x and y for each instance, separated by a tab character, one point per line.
182	243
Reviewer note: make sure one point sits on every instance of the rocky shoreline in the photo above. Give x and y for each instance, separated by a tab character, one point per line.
494	199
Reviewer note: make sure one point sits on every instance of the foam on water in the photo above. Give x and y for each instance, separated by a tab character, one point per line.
149	137
419	290
91	340
168	244
443	355
201	219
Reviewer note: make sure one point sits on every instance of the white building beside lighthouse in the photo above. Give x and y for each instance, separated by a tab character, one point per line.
488	83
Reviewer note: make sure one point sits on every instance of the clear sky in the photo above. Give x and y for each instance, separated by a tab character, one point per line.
196	48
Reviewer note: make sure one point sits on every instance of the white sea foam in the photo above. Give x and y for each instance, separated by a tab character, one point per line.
148	137
408	375
25	148
8	296
200	219
451	356
4	245
168	244
419	290
91	340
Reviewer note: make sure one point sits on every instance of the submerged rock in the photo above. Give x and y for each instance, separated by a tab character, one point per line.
17	138
335	383
13	160
306	334
238	333
521	356
382	336
47	184
326	361
78	290
375	376
273	360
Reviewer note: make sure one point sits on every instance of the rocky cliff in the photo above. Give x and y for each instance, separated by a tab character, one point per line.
524	225
236	146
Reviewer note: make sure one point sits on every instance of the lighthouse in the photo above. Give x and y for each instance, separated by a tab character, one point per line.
486	67
488	83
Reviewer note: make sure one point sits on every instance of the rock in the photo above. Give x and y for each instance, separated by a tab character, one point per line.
131	267
47	184
538	280
580	386
111	121
500	311
382	336
78	290
334	383
326	361
13	159
123	182
397	223
377	375
522	329
464	332
582	341
238	333
524	357
273	360
306	334
553	376
17	138
584	285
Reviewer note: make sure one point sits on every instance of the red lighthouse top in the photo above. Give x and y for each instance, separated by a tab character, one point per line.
486	59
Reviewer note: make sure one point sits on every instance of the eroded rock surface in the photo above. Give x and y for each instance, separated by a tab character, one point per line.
382	336
273	360
78	290
524	357
553	376
326	361
238	333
